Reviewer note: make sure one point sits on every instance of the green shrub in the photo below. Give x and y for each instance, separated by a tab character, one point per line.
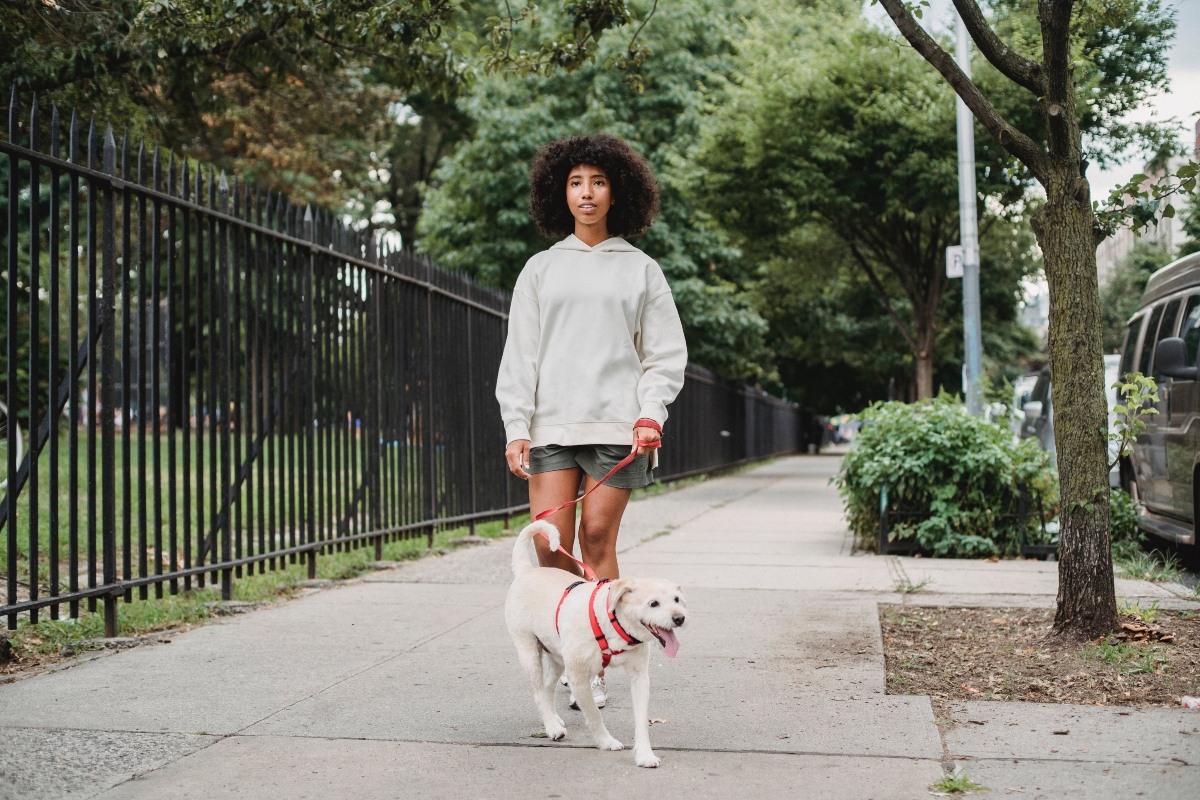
1127	539
952	477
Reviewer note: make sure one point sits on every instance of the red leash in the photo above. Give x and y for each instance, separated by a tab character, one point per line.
587	571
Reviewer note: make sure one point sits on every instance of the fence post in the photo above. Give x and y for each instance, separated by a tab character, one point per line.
11	355
1022	512
431	481
883	519
306	343
108	403
221	411
471	407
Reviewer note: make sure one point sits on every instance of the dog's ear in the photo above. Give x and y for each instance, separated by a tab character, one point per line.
620	588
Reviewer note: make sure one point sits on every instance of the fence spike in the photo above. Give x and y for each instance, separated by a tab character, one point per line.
154	169
73	139
91	145
110	151
125	154
54	132
222	193
308	223
12	115
183	177
33	123
212	187
171	172
141	163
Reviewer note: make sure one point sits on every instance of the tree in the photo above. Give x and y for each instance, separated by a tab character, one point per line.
835	345
1082	65
475	215
855	134
334	101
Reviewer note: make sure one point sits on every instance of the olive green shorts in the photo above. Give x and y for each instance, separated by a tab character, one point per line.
596	460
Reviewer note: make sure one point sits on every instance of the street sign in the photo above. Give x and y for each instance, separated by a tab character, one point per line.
954	261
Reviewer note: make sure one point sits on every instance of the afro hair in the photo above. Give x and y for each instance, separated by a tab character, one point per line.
634	189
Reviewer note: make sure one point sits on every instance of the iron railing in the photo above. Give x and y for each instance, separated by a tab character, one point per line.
213	381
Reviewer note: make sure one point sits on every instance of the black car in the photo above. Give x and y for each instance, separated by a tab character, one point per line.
1163	340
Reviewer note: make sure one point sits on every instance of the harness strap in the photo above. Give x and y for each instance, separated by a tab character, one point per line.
606	653
560	602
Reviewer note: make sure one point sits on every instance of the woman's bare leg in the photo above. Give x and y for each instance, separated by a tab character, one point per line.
598	528
547	490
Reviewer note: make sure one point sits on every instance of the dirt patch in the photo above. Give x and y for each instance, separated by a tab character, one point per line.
956	654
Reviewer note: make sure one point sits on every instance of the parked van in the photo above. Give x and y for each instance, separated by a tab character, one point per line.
1163	340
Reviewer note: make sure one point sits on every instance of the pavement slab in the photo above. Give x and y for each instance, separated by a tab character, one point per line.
318	769
44	763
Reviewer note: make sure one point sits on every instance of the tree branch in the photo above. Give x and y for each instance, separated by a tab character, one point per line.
877	285
1012	65
1011	139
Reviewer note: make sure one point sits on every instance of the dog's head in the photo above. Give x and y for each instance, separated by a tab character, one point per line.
650	609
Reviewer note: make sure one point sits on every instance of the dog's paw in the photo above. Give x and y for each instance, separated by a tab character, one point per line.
556	732
646	758
610	744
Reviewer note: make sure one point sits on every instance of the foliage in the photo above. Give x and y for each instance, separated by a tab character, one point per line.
1142	202
1123	515
1121	295
1155	566
1145	614
1137	394
835	346
1130	658
953	477
956	785
850	134
475	216
1191	225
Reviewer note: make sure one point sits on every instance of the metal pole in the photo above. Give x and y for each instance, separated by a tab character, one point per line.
969	234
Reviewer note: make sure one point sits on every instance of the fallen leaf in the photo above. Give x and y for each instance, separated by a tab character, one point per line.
969	689
657	721
541	735
1063	732
782	736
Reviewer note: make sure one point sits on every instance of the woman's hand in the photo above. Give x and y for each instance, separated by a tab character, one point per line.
517	455
645	435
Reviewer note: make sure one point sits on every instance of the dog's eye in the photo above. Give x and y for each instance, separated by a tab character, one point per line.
654	604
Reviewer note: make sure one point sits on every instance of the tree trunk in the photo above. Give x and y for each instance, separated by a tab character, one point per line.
924	375
1065	231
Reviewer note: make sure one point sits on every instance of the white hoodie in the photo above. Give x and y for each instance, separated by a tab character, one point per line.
594	344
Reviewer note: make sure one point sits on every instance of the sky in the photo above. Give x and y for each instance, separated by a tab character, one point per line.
1182	101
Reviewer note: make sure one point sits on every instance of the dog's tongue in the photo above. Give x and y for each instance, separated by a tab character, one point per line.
670	643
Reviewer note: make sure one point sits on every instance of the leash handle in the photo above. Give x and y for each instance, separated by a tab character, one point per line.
587	571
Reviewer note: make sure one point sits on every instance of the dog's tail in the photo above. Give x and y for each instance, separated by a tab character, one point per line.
524	556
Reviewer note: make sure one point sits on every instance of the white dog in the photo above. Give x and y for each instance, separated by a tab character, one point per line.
548	616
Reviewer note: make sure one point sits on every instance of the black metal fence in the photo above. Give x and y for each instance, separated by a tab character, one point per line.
201	380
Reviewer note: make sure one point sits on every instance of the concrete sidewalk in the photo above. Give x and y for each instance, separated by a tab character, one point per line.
405	684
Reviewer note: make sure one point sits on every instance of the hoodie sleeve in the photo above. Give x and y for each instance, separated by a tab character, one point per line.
516	384
662	348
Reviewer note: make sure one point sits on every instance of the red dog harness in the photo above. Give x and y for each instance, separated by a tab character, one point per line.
606	652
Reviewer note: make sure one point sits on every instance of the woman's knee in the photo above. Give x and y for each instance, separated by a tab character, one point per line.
596	538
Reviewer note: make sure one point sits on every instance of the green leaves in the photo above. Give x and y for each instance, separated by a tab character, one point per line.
952	477
1143	200
1137	393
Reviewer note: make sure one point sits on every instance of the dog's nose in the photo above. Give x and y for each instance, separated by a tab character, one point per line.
678	620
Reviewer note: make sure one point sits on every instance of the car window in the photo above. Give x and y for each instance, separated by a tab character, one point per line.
1129	357
1148	340
1166	329
1189	330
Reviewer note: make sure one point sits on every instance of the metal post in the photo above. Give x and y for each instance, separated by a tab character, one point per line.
883	520
220	412
969	234
108	402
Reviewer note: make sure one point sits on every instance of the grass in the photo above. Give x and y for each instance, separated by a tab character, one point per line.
141	617
1129	658
1146	615
957	784
905	586
1153	566
333	487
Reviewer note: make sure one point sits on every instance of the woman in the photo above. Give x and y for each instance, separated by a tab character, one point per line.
595	350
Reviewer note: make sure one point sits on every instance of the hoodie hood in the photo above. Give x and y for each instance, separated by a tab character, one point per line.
614	244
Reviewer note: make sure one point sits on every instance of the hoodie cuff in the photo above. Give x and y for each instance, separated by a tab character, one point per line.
654	411
517	429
